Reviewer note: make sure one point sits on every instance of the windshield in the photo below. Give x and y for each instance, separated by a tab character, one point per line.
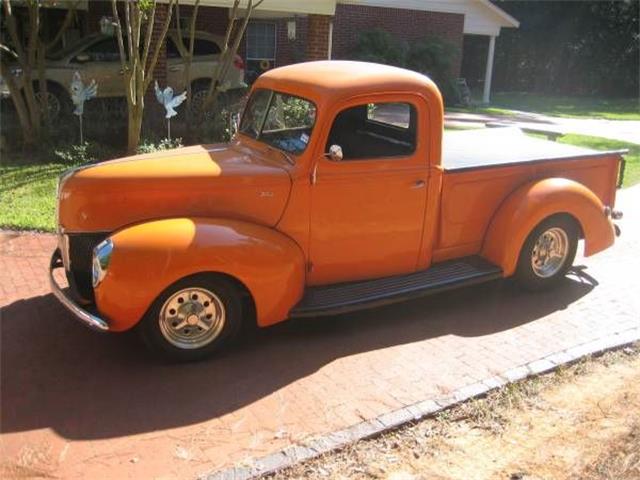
280	120
80	44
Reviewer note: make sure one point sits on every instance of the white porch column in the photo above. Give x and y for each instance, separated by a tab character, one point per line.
488	73
330	47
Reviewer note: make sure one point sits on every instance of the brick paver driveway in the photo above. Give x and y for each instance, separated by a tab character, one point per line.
79	404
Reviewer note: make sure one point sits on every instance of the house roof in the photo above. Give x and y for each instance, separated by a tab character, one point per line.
481	17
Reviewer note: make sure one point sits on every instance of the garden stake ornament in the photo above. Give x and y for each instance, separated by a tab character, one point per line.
169	102
79	94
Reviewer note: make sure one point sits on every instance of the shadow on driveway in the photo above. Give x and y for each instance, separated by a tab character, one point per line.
57	374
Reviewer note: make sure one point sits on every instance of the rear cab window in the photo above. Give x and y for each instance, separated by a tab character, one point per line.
375	130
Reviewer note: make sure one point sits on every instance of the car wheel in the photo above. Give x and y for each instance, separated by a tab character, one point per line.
193	318
57	101
548	253
228	100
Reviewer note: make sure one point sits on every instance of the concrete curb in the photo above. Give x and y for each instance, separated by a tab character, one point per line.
397	418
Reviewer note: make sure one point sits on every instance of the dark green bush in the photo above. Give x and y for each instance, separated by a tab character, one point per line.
379	46
431	56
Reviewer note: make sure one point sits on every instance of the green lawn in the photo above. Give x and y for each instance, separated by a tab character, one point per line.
27	192
28	195
632	171
570	107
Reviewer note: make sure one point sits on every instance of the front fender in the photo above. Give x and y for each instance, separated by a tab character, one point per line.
530	204
149	257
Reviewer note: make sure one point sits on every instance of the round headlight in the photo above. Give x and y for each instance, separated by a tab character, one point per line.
101	259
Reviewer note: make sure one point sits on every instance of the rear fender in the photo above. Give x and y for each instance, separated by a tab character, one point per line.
530	204
149	257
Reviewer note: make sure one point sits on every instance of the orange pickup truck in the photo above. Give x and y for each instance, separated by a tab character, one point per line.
339	192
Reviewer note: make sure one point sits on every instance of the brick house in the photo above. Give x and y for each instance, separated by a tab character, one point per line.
288	31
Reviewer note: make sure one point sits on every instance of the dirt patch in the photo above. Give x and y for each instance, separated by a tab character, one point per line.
580	422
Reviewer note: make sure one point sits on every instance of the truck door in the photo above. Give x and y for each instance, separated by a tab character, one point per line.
367	209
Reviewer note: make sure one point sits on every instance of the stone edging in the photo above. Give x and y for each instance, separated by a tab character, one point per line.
392	420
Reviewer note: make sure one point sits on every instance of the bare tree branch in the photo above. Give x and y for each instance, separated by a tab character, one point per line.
123	56
127	16
159	41
147	42
65	25
6	49
13	30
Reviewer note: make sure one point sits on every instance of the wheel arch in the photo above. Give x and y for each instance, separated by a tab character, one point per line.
531	204
150	257
51	86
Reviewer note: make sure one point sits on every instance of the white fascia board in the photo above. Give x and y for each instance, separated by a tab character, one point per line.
481	17
322	7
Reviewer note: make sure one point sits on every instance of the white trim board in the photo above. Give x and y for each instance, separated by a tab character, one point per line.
481	17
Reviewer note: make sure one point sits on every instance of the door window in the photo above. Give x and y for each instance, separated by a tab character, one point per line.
105	50
203	47
172	49
375	130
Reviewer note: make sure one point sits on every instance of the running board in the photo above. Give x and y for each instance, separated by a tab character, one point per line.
347	297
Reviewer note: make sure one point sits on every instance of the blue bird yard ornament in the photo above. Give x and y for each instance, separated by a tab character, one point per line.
169	102
80	93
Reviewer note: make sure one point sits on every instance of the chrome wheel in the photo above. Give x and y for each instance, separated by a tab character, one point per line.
550	252
197	103
54	107
192	318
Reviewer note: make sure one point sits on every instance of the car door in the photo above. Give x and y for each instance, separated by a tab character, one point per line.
367	210
175	65
100	61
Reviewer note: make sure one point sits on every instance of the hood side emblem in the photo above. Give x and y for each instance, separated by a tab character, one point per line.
266	194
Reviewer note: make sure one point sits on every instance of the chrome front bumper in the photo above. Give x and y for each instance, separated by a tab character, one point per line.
90	320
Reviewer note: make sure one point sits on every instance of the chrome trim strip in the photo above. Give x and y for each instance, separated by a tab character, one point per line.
92	321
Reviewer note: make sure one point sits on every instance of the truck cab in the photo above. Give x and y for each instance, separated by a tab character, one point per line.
336	194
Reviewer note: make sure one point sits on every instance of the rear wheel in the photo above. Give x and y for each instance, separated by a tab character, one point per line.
548	253
193	319
56	99
226	100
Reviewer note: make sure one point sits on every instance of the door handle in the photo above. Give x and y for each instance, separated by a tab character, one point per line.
174	69
419	184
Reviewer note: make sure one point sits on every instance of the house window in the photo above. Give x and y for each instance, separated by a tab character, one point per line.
261	49
261	41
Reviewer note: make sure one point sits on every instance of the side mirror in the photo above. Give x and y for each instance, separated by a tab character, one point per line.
335	153
82	58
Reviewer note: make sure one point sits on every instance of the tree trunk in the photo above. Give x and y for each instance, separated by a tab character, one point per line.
134	128
28	135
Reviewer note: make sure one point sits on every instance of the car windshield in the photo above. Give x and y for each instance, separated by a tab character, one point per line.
280	120
79	45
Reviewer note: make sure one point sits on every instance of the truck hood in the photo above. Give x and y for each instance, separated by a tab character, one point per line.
229	181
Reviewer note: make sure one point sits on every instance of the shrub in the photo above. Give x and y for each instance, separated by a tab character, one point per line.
380	46
431	56
86	152
149	146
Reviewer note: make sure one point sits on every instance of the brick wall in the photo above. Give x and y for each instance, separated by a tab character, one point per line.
210	19
312	31
318	37
409	25
291	51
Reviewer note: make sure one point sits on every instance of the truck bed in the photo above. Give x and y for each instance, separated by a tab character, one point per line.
482	167
491	147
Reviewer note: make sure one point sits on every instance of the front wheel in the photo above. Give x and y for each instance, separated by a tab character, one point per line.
193	318
548	253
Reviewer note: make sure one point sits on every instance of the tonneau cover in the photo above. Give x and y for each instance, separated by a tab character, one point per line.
487	147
